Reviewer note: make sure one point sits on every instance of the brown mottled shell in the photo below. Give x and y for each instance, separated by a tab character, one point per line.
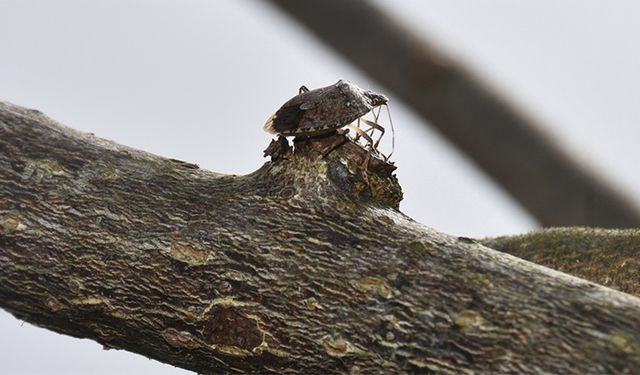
323	110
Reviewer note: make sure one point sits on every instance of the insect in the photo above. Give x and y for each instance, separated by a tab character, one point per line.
328	109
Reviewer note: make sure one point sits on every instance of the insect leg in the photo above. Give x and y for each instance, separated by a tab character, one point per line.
357	132
361	133
376	126
303	89
376	116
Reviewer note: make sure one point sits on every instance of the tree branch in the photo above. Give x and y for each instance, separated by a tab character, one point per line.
304	266
606	257
507	145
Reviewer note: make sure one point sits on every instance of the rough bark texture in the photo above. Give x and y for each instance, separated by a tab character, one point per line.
303	266
607	257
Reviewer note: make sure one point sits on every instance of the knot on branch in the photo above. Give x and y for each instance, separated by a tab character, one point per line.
334	164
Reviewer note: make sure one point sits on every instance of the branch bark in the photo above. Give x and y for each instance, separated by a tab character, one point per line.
606	257
304	266
506	144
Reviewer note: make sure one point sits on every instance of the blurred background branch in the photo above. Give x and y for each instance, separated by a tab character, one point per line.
503	142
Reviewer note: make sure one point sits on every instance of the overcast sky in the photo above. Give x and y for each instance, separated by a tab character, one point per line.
196	80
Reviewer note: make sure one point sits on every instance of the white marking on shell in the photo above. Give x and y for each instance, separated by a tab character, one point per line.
269	126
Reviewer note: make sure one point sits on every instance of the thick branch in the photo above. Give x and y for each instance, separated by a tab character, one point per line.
607	257
507	145
303	266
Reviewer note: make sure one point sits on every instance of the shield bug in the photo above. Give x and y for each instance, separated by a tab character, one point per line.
326	110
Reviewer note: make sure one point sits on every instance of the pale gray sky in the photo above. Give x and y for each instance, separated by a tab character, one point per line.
196	79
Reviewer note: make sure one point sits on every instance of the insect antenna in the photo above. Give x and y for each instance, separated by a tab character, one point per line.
393	132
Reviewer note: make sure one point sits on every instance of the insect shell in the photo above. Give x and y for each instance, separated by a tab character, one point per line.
323	110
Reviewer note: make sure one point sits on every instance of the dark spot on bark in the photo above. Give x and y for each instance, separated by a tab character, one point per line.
17	166
288	193
467	240
341	177
224	287
227	326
